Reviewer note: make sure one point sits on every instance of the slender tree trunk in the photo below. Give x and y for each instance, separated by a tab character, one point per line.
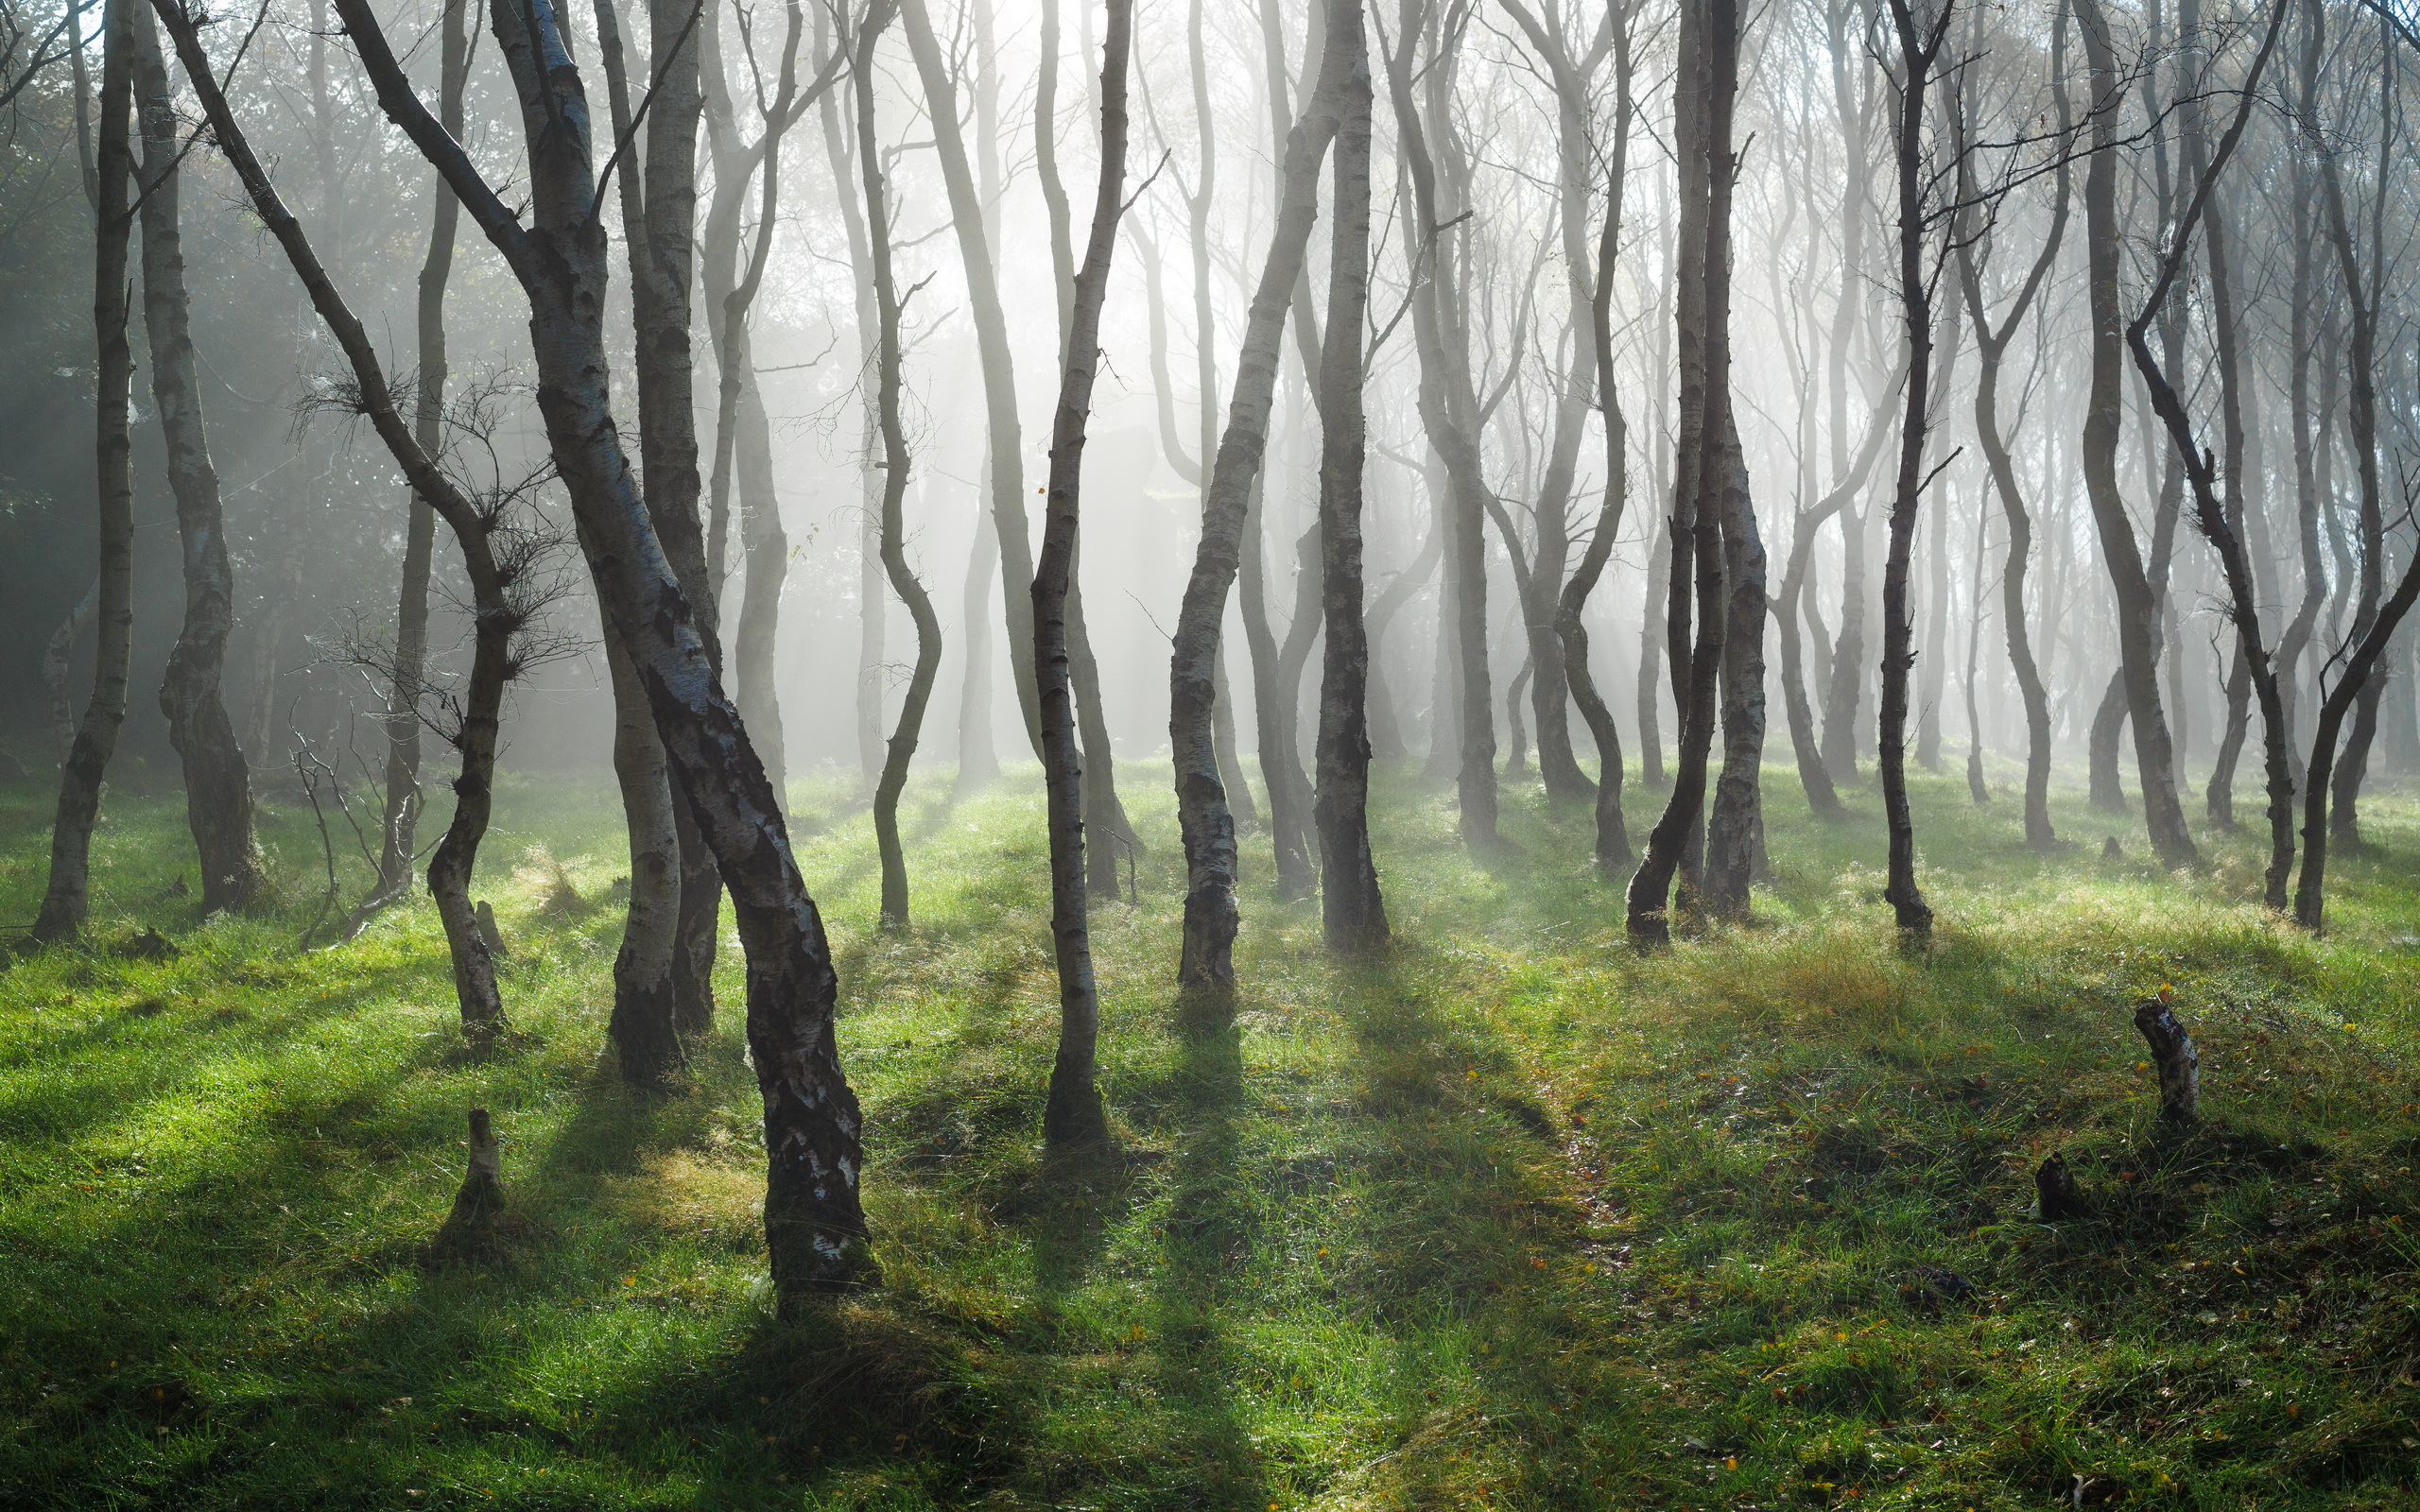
1650	682
979	758
2300	412
1103	813
399	822
1920	40
1272	717
1228	543
894	485
1935	655
56	655
1705	90
2311	887
1352	910
66	895
1845	689
1976	790
1447	412
219	788
1074	1116
1612	849
642	1024
2362	305
1296	821
2137	604
1735	834
1991	348
1005	474
2216	519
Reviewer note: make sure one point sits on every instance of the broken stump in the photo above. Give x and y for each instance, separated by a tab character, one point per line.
2180	1066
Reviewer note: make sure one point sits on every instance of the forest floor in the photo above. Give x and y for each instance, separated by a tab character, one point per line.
1514	1219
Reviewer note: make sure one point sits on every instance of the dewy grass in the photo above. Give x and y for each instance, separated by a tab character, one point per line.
1512	1218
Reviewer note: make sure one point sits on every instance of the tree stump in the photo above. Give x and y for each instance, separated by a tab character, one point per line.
473	1225
489	932
2180	1066
2055	1185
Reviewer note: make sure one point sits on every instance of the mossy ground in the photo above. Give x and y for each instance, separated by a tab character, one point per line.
1513	1219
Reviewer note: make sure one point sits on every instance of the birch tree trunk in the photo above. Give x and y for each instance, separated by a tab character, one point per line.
1073	1116
1706	75
1449	412
66	895
1991	348
218	787
1203	811
1351	908
904	737
399	822
1005	441
2138	636
647	1048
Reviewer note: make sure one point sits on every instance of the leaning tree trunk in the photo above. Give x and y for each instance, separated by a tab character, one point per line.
497	612
1204	813
814	1217
1351	908
218	787
2311	887
904	582
67	897
1073	1116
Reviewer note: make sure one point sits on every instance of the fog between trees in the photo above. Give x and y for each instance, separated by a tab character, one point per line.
1653	403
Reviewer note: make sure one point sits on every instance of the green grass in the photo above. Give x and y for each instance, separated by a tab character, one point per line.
1514	1219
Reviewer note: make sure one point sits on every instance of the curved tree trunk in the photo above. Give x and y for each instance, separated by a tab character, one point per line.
1073	1116
218	787
642	1025
399	822
2137	602
1228	545
1920	42
904	738
1990	348
1005	445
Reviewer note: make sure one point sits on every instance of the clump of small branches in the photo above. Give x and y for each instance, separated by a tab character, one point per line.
530	574
532	564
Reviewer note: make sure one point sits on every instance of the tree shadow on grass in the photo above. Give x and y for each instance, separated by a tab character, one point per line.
1208	1231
